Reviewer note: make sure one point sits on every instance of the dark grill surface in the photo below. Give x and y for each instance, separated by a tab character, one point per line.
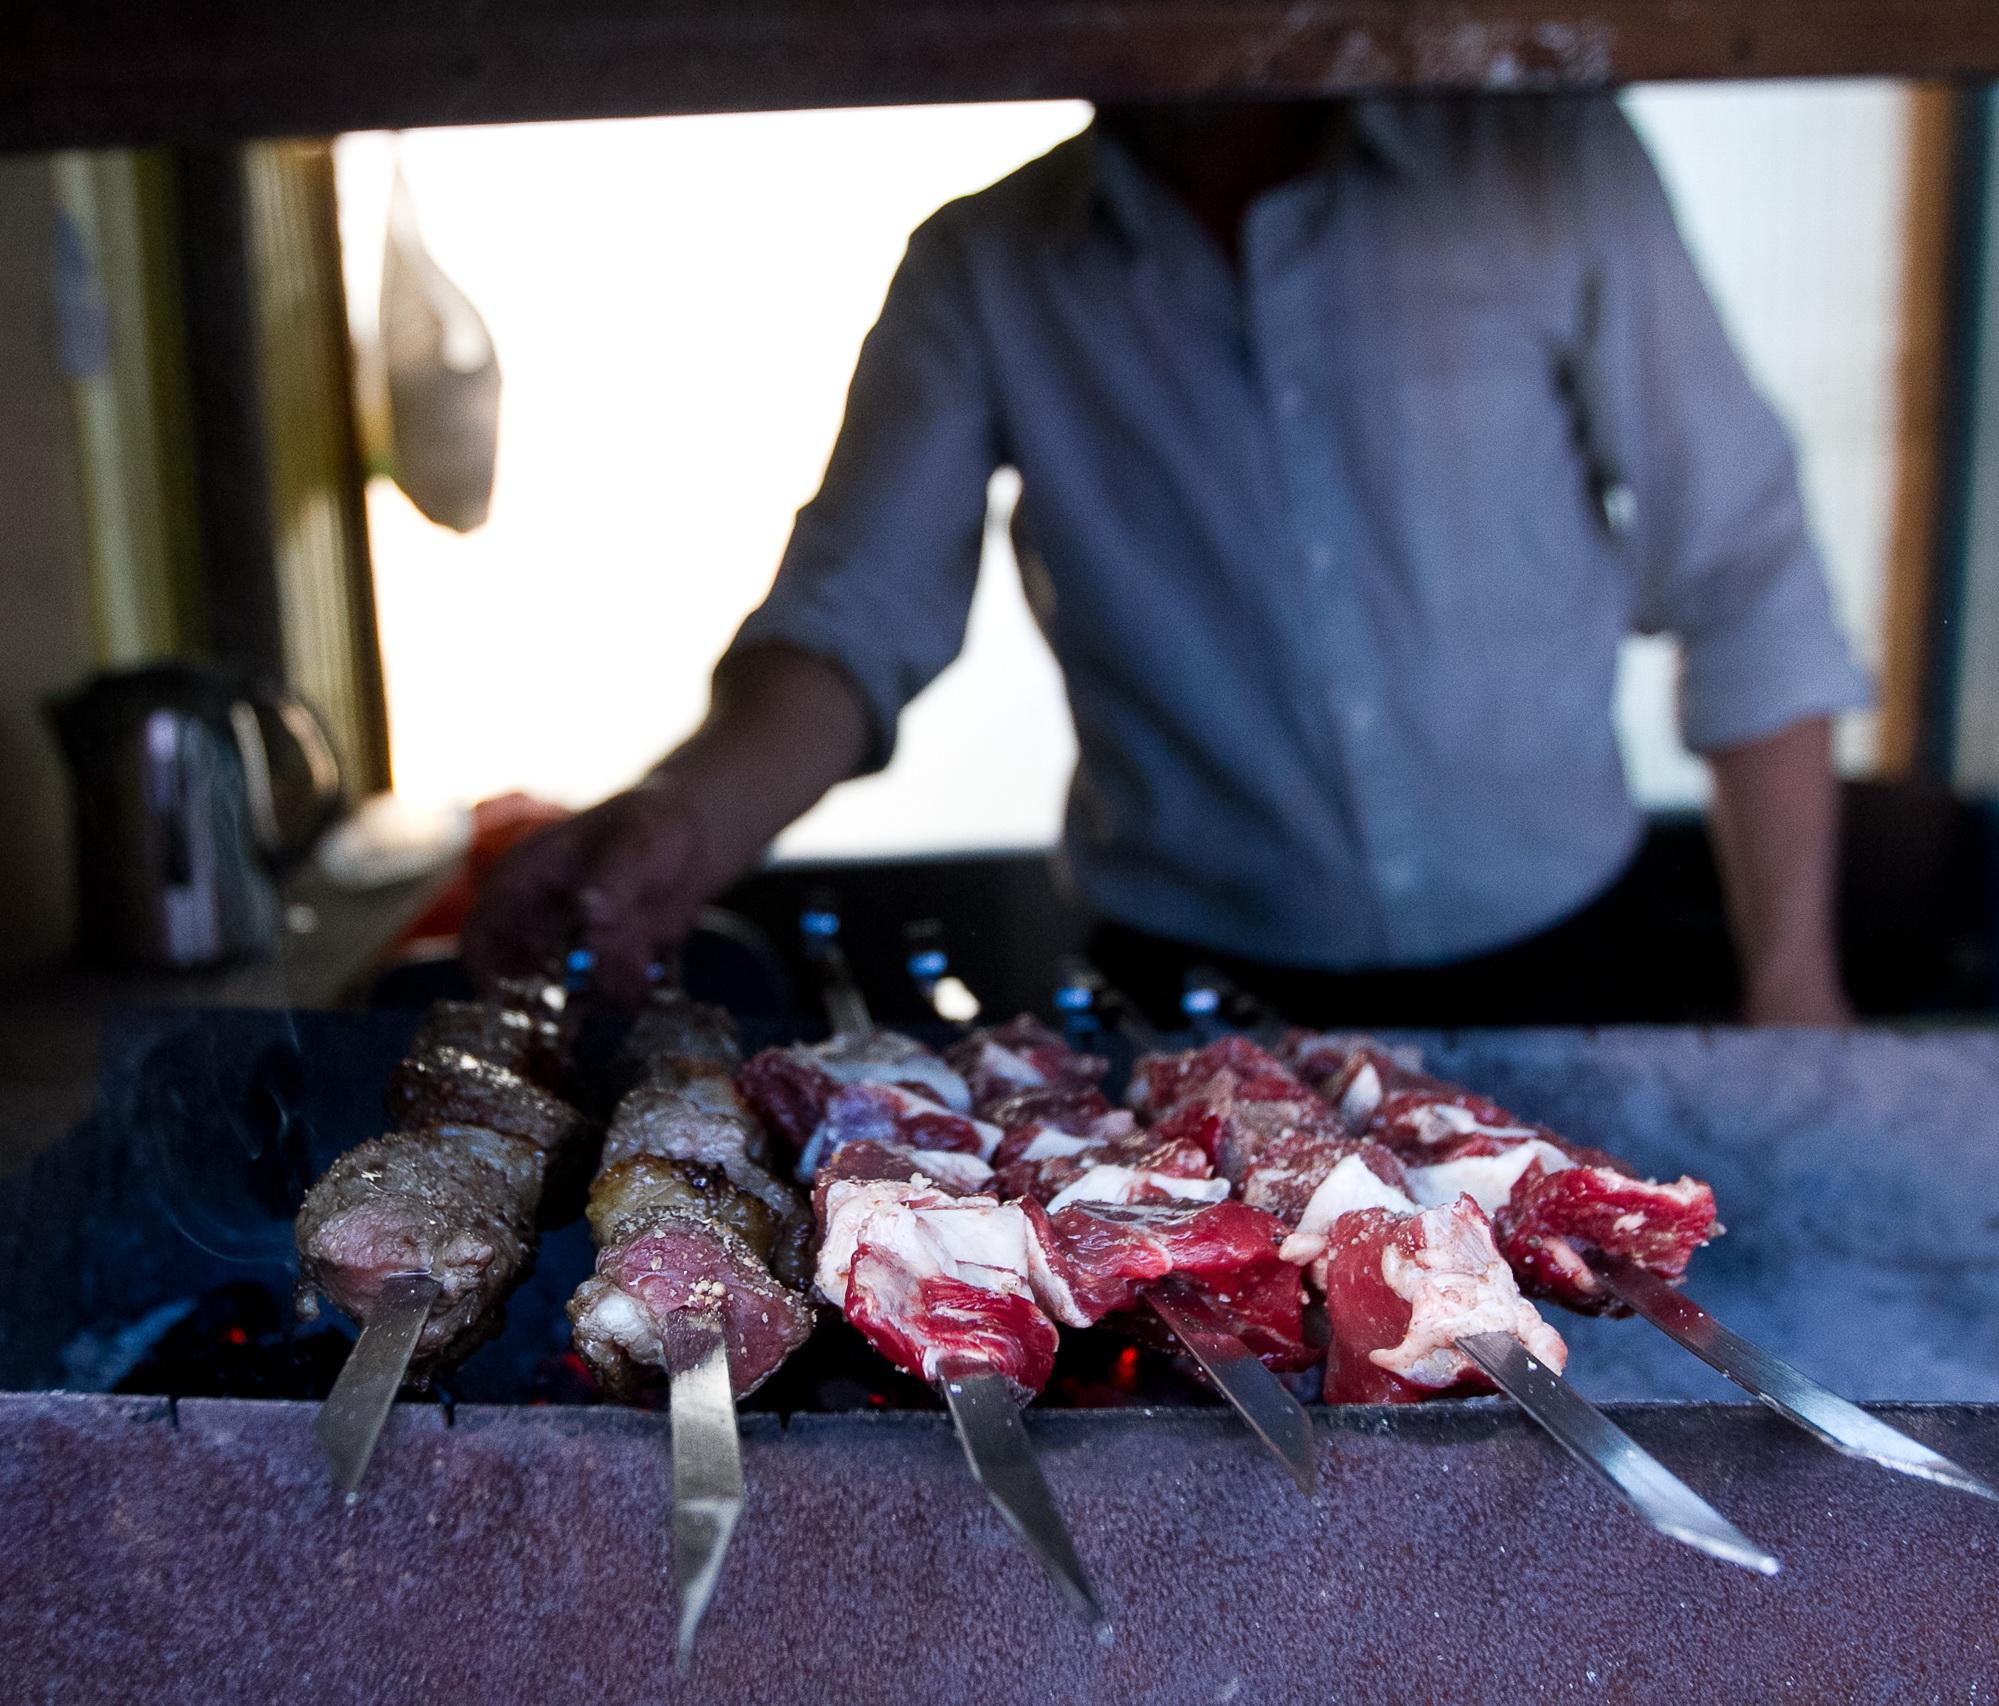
197	1551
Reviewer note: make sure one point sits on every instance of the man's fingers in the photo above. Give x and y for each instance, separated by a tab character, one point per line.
524	916
639	900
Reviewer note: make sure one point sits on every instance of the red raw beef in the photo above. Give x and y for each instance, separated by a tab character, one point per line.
935	1326
793	1094
789	1092
1356	1088
1238	1130
1022	1054
1400	1289
1066	1107
1162	1082
1553	1218
1288	1171
1117	1143
935	1281
948	1171
1095	1259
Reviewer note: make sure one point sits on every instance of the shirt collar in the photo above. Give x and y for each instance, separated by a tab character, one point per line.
1111	181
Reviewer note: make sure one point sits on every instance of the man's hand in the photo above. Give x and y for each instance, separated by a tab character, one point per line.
623	879
626	878
1776	834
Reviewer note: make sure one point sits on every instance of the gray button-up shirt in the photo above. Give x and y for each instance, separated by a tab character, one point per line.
1338	549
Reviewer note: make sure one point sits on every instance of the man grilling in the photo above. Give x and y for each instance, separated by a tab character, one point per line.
1353	440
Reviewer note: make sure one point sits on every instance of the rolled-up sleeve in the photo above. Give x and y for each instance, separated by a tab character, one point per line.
1722	549
879	574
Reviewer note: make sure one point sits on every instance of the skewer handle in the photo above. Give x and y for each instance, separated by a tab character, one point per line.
819	927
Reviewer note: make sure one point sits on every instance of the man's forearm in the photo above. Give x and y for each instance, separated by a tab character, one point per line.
782	729
1776	833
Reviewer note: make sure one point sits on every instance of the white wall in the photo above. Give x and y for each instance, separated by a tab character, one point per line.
1793	198
678	303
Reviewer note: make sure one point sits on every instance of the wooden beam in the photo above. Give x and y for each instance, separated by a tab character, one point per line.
119	72
1921	417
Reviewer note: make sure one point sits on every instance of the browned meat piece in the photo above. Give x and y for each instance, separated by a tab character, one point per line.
698	1117
446	1088
461	1209
672	1028
450	1087
692	1187
692	1113
527	1041
634	1317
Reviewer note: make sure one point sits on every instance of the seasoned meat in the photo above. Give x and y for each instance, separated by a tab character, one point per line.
444	1088
450	1086
693	1115
634	1317
461	1209
526	1042
672	1028
693	1187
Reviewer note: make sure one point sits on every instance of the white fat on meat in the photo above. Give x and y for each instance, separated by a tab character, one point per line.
1048	1144
1003	1066
952	1169
979	1240
1107	1182
1352	1185
881	1057
1456	1284
901	1104
1441	1122
1487	1179
612	1315
1361	1097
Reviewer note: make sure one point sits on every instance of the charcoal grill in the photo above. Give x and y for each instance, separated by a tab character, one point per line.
513	1542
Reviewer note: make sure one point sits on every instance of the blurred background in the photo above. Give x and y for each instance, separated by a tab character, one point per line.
475	445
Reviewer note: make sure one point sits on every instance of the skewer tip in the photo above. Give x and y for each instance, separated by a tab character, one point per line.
1729	1548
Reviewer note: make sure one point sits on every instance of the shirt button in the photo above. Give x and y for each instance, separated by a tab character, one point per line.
1398	876
1322	559
1291	400
1360	717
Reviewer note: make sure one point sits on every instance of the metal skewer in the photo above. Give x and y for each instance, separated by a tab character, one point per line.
1003	1462
1600	1445
981	1403
350	1421
707	1476
1273	1415
1822	1413
1236	1372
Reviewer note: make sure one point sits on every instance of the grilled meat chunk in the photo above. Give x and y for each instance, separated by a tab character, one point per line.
528	1041
634	1318
695	1188
461	1209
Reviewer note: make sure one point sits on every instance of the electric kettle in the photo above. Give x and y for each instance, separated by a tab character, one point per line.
192	791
